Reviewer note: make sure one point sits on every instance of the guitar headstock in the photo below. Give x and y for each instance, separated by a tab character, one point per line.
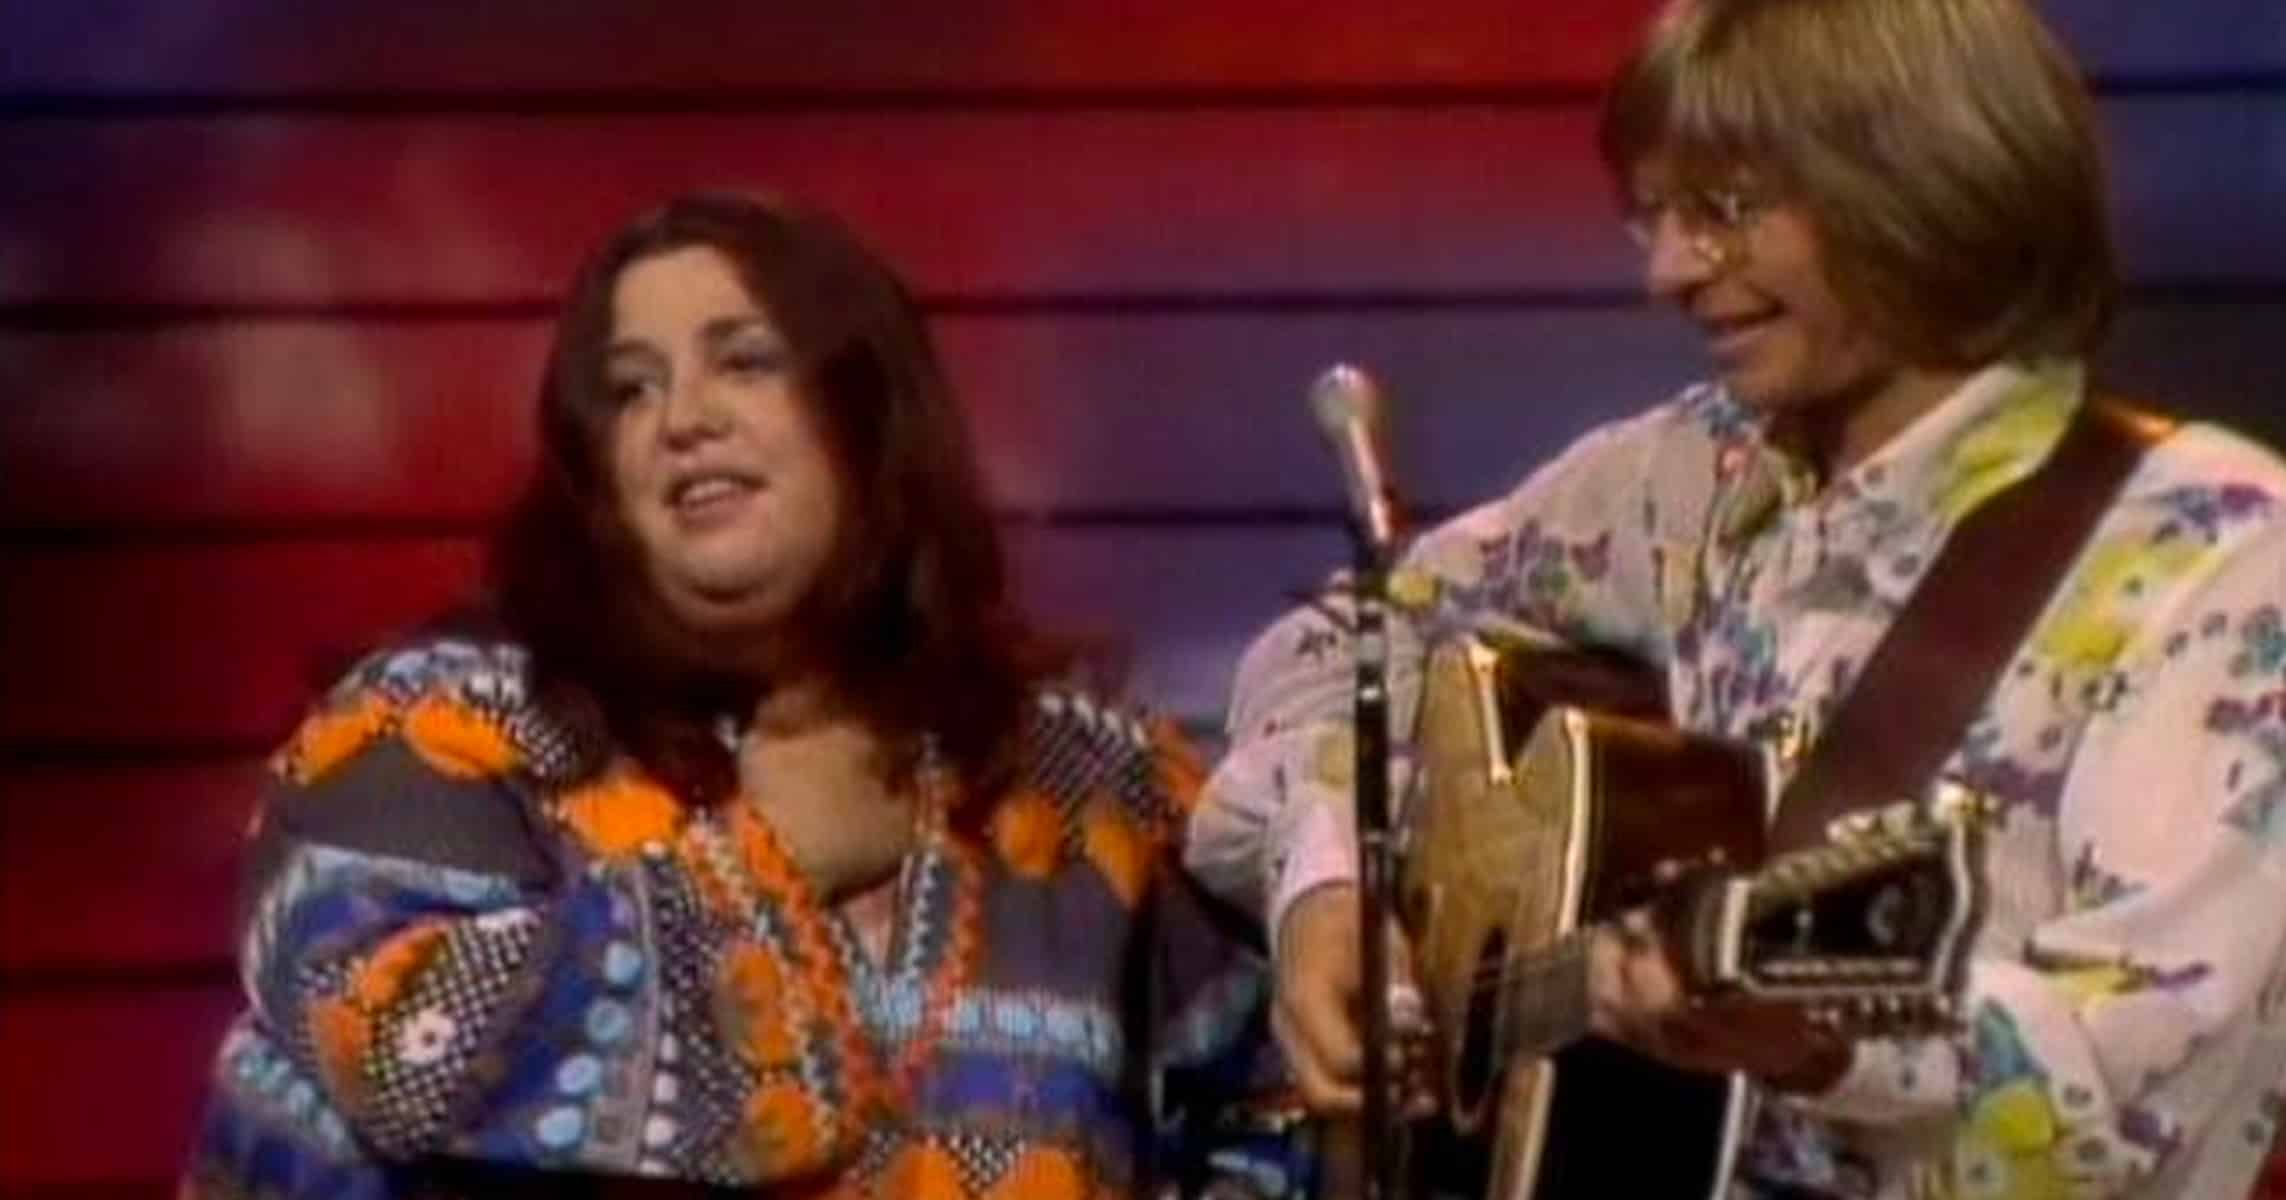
1867	931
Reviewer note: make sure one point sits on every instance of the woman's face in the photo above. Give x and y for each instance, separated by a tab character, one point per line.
716	465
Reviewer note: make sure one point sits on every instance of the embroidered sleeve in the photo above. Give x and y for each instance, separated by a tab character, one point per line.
1580	549
438	968
398	910
2148	1018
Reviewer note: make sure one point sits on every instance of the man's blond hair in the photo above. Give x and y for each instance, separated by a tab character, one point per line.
1945	151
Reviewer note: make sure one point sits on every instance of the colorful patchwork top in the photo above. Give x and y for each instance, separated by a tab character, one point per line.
2127	995
479	965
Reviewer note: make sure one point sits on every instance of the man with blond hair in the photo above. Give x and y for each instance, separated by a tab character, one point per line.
1887	219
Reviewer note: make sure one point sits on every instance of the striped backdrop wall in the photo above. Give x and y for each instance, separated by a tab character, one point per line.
274	281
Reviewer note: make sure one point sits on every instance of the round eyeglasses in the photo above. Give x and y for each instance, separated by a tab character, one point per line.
1715	222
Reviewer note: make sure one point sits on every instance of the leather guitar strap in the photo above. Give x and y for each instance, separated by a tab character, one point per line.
1931	673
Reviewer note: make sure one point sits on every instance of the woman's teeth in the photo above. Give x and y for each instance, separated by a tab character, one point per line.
707	490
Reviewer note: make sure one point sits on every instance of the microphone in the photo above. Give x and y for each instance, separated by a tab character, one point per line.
1347	404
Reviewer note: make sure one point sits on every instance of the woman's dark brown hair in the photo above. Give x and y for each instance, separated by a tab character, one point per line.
910	616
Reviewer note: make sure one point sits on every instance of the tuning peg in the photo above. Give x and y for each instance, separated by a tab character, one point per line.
1957	803
1850	826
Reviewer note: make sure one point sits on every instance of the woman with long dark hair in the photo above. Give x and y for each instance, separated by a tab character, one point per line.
746	835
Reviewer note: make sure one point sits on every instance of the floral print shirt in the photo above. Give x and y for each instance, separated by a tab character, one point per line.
481	958
2126	997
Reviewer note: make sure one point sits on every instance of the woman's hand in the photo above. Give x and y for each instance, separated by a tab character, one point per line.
823	789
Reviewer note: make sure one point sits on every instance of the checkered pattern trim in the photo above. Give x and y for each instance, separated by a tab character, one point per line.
983	1160
424	1044
492	679
697	1126
1083	748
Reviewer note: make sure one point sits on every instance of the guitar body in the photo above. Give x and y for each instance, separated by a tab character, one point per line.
1550	797
1536	816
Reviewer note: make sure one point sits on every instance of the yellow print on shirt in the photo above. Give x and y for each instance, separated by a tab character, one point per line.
2092	625
2006	446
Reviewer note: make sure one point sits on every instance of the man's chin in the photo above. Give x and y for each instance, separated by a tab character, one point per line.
1758	391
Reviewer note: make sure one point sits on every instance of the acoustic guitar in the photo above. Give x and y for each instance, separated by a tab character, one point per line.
1550	796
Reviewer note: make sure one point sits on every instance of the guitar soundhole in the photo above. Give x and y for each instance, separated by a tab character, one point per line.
1478	1067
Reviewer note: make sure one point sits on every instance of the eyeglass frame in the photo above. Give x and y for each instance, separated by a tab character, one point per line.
1716	221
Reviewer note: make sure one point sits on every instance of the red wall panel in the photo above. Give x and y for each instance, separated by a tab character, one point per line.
102	1083
264	47
256	47
221	645
198	643
121	867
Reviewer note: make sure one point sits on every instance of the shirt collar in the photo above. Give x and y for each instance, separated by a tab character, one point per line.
1994	429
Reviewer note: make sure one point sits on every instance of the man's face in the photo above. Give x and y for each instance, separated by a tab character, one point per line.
1748	270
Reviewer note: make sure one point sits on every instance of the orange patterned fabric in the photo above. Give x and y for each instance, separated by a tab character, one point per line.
958	969
754	1006
1044	1173
1118	847
786	1126
923	1171
342	1028
1028	831
456	740
343	1038
1181	773
390	969
684	983
330	738
618	814
820	966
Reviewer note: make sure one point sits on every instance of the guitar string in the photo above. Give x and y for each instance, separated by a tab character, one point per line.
1487	975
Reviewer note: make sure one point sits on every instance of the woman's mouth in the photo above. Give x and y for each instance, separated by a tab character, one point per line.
705	499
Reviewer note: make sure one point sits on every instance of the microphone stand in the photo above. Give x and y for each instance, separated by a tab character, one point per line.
1347	405
1376	863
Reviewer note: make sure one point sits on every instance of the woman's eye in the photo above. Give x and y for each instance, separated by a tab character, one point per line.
753	362
624	392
